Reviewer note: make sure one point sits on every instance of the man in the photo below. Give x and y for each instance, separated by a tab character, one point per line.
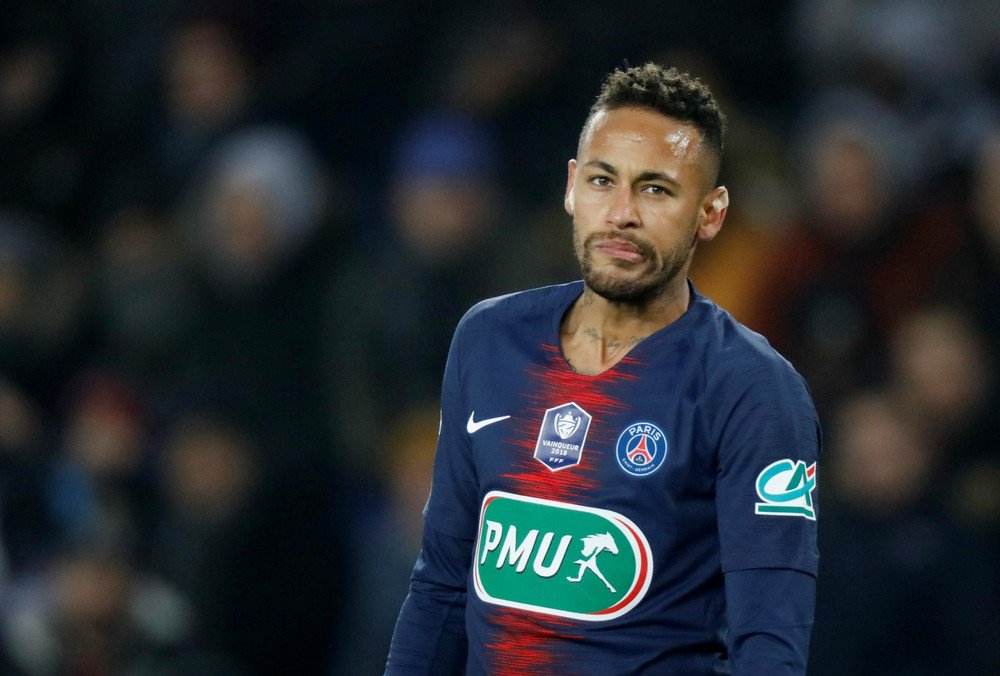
625	476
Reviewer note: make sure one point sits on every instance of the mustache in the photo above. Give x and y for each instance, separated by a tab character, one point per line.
641	246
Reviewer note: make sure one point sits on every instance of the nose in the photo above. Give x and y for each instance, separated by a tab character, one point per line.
623	212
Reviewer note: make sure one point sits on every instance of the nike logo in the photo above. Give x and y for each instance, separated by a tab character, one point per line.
472	426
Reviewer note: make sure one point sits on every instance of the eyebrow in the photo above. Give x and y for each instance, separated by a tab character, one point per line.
644	176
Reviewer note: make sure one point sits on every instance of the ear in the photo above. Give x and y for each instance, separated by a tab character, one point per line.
713	212
569	200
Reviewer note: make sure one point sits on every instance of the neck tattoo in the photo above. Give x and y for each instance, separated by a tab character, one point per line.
612	345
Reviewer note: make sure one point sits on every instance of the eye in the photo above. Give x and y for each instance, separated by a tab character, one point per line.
601	181
654	189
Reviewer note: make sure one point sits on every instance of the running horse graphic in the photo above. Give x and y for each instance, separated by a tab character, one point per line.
592	546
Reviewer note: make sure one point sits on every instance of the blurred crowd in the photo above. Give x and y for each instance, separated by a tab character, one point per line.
235	238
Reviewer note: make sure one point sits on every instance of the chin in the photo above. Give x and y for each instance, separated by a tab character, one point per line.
624	290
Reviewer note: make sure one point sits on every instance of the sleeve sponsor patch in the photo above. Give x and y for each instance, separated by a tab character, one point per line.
785	488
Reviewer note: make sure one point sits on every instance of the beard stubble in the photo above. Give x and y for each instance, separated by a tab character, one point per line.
662	268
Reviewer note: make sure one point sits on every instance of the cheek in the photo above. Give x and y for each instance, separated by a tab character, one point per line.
586	201
578	236
588	215
671	220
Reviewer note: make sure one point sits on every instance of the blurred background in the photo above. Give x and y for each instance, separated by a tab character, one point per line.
235	238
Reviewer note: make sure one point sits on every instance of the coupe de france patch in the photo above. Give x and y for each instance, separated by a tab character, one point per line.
786	488
561	438
641	448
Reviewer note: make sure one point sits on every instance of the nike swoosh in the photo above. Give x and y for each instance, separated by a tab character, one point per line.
472	426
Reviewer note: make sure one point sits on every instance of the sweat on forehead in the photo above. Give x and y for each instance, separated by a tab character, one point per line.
686	134
679	142
681	138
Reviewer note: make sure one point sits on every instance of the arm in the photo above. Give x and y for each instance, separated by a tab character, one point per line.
770	613
430	632
766	498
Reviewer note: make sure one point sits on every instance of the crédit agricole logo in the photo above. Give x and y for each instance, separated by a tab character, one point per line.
559	559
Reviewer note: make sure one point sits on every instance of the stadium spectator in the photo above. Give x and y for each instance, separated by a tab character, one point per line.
387	536
93	612
98	489
943	373
255	552
902	589
393	306
864	254
146	299
42	293
27	531
255	227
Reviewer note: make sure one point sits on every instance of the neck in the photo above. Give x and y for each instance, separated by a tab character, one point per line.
617	318
597	332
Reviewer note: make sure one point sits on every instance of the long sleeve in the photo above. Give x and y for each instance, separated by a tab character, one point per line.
770	615
430	632
766	498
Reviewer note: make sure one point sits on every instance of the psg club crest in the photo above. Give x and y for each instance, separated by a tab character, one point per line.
641	448
560	440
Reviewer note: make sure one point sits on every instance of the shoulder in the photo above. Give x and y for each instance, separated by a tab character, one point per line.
739	361
496	330
516	310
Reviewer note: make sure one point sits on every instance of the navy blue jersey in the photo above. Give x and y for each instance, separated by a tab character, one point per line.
598	516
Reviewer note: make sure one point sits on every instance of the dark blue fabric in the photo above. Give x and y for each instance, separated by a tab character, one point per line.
770	616
430	634
729	407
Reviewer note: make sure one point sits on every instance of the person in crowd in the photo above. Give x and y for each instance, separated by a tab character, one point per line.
905	588
257	552
392	306
386	537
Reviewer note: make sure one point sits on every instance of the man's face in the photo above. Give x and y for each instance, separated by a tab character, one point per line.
640	199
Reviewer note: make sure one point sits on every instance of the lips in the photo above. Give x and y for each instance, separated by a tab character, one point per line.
621	250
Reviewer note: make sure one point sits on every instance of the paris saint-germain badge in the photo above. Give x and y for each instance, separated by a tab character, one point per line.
641	448
560	440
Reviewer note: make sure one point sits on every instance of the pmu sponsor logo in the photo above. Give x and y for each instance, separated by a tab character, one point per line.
786	488
561	559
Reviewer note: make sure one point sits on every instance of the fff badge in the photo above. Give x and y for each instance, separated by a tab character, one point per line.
560	440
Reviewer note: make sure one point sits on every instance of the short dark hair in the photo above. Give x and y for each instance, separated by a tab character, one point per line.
669	92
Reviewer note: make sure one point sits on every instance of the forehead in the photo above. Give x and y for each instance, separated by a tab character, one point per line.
643	136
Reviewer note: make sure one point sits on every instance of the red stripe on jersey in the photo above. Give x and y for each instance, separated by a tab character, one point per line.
553	384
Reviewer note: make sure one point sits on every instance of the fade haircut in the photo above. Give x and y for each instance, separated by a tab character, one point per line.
668	92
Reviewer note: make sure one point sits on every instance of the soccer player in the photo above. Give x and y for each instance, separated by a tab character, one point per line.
625	476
